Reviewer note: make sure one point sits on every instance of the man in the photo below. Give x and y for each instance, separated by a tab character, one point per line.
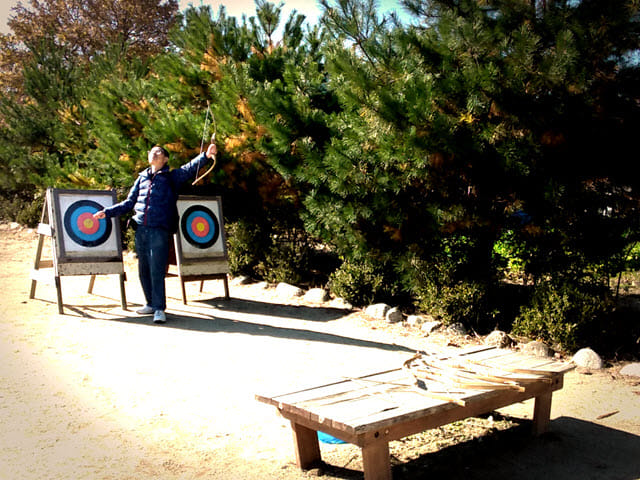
153	198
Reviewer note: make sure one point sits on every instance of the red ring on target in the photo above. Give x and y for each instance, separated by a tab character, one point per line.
200	227
87	224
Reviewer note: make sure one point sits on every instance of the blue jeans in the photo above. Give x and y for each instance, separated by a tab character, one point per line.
152	247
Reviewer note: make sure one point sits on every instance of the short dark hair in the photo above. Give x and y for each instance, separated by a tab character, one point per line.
163	150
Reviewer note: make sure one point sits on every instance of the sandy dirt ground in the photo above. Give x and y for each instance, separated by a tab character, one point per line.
102	393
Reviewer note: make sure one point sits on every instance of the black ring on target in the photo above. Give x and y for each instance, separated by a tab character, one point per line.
82	228
199	226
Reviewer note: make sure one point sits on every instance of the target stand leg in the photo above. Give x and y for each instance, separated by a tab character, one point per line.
184	292
59	294
123	294
226	288
92	281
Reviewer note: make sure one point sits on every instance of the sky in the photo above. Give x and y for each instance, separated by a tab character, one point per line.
235	8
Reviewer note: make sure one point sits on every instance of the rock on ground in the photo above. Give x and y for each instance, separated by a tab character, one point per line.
538	349
632	370
415	320
286	290
377	311
430	327
499	339
394	315
316	295
587	358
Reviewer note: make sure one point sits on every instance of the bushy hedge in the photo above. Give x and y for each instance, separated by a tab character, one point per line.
565	314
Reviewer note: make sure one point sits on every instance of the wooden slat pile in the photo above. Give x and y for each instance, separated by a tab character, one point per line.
452	378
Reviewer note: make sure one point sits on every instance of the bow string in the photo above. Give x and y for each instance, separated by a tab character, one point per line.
213	140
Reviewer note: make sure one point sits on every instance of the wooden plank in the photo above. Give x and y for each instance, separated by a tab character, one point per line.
318	392
528	363
357	387
204	268
362	406
103	268
488	354
320	395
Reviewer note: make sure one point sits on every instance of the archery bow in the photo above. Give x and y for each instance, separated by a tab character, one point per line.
213	139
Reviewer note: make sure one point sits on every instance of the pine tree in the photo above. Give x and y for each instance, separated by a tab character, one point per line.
444	134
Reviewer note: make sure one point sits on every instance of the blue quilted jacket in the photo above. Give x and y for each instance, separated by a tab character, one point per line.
153	196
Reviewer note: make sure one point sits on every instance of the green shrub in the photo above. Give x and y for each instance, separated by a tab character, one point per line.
244	245
359	283
464	302
22	209
508	255
287	258
566	314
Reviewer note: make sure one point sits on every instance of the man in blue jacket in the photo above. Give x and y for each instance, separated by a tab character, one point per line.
153	198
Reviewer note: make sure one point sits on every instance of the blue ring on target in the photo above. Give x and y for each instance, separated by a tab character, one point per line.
74	226
206	219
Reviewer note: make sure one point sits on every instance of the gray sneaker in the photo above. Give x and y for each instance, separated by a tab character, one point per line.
146	310
159	317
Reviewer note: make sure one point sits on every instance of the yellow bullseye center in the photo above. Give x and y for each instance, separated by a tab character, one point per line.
200	227
88	223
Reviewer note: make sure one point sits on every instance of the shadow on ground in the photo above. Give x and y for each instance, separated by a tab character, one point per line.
217	321
297	312
573	450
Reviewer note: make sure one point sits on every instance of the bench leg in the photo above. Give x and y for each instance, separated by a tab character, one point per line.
305	442
542	413
376	462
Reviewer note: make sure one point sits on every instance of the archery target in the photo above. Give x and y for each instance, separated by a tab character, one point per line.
200	228
79	234
82	228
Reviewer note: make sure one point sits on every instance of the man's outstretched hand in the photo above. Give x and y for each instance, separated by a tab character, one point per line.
211	151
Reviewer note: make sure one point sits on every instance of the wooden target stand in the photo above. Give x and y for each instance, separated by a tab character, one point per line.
198	257
102	256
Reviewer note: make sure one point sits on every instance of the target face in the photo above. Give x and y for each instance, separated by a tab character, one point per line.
82	228
80	236
199	226
201	231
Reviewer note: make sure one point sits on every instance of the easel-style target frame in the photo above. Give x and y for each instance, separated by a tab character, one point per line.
201	252
80	244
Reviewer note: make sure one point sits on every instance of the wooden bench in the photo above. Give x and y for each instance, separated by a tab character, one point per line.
371	410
